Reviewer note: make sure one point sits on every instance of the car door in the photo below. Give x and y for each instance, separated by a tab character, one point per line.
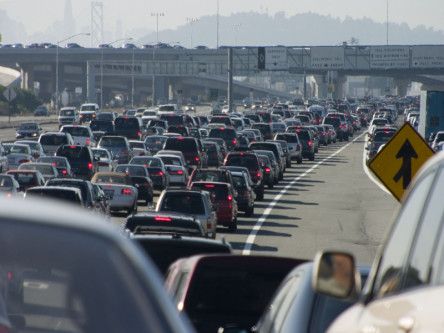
389	310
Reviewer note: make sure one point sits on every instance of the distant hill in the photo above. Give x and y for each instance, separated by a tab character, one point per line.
11	30
252	28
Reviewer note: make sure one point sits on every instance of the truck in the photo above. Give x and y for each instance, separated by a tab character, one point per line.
431	114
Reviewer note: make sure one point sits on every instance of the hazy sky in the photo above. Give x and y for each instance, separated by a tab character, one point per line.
38	15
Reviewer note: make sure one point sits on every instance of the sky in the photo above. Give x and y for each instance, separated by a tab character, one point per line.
135	15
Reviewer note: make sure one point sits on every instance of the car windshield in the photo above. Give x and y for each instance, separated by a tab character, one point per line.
88	108
28	127
185	203
67	113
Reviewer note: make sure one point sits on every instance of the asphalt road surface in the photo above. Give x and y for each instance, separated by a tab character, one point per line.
329	203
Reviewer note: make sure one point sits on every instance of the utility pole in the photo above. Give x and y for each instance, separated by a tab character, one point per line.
191	21
230	79
387	22
217	25
157	15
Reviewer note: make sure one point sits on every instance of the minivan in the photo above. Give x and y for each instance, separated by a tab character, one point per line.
80	158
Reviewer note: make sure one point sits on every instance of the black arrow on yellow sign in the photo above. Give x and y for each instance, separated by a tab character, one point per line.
407	153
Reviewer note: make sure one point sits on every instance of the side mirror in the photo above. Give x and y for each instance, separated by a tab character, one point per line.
335	275
367	148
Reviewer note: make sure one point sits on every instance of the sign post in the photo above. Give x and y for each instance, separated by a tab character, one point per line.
10	95
400	159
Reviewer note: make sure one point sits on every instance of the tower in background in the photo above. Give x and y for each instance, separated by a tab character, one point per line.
96	23
69	23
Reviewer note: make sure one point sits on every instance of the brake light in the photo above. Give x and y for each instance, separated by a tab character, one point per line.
160	173
126	191
72	147
230	197
222	129
88	141
54	164
181	138
162	219
267	170
209	186
179	172
310	143
259	174
197	159
139	133
23	161
90	166
64	172
10	276
234	142
343	126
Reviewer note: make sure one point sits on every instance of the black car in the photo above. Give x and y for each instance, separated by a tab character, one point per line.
229	135
81	159
28	130
41	111
129	127
106	126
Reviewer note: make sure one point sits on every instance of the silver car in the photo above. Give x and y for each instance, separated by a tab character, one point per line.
294	145
48	170
176	168
18	154
104	160
195	203
51	141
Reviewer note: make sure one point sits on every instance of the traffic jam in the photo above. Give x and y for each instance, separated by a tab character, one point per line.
177	179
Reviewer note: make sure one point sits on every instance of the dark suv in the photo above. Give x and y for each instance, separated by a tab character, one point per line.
250	161
81	159
191	149
129	127
227	134
340	126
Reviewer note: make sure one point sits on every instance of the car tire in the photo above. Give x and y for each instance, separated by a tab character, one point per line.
249	212
260	195
270	185
281	176
299	160
312	157
233	226
317	150
288	164
347	138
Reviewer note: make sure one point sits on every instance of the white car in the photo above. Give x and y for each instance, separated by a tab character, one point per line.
36	147
105	162
82	135
119	189
18	154
176	168
51	141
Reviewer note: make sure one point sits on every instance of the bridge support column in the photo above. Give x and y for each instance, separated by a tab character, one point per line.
91	94
321	86
161	89
339	85
402	86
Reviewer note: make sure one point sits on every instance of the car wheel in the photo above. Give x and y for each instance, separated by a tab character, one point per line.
299	160
312	157
347	138
281	176
250	211
233	226
288	164
270	185
260	195
317	150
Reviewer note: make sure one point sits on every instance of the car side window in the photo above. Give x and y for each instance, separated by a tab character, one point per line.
419	266
398	245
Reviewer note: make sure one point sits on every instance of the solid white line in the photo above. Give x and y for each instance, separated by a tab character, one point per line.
252	236
367	170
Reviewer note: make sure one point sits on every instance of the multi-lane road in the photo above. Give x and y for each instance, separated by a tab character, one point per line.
330	203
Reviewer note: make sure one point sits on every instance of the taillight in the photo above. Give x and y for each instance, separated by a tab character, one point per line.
127	191
234	141
179	172
88	141
267	170
162	219
259	174
23	161
197	159
310	143
230	197
64	172
139	133
54	164
159	173
90	166
209	186
10	276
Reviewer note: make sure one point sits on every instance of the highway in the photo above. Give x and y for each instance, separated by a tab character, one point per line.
330	203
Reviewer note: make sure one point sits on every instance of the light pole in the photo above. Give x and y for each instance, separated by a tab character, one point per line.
57	63
132	80
101	65
191	21
217	25
236	28
157	15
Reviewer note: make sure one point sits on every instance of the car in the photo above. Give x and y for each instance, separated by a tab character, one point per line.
250	161
176	168
105	126
68	116
268	169
297	307
340	126
145	189
221	144
88	112
306	139
105	163
229	136
379	138
82	135
407	269
60	163
139	148
119	189
55	193
163	224
217	291
214	154
277	151
286	151
155	143
27	179
294	146
265	129
18	154
41	111
192	203
51	141
223	198
9	187
156	170
48	170
4	163
129	127
28	130
245	193
82	161
58	255
221	120
179	129
439	137
36	147
191	149
118	147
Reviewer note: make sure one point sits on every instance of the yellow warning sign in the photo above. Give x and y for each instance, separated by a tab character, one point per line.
400	159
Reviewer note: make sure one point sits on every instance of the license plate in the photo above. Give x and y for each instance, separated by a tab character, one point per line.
109	193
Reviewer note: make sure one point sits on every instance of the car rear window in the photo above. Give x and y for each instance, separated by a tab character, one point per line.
171	160
24	178
168	108
181	144
44	169
262	127
379	122
112	142
304	135
126	123
208	176
5	181
134	170
110	179
76	131
247	160
332	121
63	195
19	149
185	203
100	125
28	127
383	135
172	119
218	191
239	182
67	113
53	140
223	133
288	138
74	153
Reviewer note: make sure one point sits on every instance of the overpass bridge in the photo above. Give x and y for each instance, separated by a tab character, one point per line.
329	64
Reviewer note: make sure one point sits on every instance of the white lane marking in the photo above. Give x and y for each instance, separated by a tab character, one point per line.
252	236
367	170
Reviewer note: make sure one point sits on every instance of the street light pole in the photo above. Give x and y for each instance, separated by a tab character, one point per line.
101	65
57	98
154	51
132	82
217	26
191	21
157	23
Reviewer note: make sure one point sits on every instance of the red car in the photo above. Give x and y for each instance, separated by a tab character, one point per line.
224	202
